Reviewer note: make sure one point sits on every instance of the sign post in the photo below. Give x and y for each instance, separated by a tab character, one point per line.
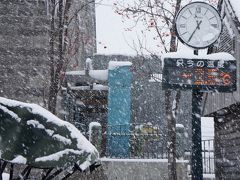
196	156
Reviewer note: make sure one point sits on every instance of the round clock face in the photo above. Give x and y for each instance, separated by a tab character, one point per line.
198	25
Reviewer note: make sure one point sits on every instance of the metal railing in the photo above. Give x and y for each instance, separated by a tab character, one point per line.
145	140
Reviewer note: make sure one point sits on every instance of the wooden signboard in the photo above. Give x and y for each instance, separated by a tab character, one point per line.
202	74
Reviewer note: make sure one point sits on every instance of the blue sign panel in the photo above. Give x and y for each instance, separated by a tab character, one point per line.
119	111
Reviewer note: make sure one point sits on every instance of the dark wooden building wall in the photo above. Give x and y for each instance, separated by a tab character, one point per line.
225	107
229	42
227	145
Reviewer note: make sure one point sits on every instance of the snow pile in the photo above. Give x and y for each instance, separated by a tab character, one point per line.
58	155
19	160
99	87
15	116
32	135
36	124
94	124
75	73
89	64
179	126
62	139
101	75
5	176
91	126
214	56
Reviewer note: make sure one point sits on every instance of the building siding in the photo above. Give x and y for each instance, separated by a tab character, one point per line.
23	50
24	46
229	41
227	146
225	107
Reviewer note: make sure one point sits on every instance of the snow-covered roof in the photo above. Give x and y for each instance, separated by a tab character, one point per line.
32	135
116	64
97	87
236	8
232	9
101	75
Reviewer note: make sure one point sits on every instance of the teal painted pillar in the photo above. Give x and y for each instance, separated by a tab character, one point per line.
119	109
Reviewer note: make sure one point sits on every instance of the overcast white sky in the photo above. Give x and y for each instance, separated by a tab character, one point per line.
112	36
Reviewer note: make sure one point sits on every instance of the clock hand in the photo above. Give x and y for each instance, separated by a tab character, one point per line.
196	18
198	27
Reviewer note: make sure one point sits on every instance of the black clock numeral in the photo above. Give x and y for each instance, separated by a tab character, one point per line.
206	12
214	25
182	25
198	9
190	11
211	18
184	17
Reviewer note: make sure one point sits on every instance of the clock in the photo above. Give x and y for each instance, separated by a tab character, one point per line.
198	25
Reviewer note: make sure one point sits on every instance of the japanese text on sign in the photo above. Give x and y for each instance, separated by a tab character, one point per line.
199	63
